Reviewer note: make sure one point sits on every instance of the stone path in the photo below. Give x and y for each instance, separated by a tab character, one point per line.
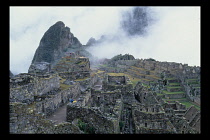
98	85
59	116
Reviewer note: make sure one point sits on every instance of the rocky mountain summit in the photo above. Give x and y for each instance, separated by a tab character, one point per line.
55	43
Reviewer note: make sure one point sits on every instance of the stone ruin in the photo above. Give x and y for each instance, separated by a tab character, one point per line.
73	68
40	67
105	103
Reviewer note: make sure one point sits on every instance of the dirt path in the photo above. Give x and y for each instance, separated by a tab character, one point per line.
60	115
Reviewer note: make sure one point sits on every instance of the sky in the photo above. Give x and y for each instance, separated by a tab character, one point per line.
173	37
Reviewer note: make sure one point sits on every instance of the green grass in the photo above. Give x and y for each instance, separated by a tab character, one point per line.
142	69
173	87
100	71
136	72
116	74
170	79
192	81
154	77
180	99
159	94
145	85
104	65
179	92
133	80
62	80
144	79
174	84
64	86
188	104
82	79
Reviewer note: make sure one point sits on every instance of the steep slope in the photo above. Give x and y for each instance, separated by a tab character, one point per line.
55	42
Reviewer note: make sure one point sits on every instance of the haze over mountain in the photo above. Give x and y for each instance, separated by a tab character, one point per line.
165	34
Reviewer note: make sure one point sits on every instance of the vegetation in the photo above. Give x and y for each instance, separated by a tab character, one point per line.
64	86
150	59
188	104
178	92
123	57
174	84
85	127
82	79
116	74
170	87
121	124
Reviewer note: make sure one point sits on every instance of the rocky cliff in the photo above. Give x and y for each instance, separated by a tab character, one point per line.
55	43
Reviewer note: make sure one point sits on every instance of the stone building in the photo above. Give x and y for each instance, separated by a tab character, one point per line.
192	116
40	67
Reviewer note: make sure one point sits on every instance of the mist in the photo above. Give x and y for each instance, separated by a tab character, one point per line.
173	35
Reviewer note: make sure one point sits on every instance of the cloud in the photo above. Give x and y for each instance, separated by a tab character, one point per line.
174	36
28	25
177	35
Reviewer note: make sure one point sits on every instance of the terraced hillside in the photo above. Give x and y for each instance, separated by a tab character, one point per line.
173	90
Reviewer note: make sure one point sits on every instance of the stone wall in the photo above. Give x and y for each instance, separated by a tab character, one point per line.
23	120
143	95
74	75
146	122
69	64
26	86
45	85
32	118
126	62
53	102
39	67
93	117
114	79
175	96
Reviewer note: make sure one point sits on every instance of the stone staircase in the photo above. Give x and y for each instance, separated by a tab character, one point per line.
173	89
194	119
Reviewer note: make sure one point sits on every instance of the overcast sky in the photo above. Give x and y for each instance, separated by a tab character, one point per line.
174	37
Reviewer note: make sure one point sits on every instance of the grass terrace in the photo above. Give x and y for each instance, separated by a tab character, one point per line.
192	81
178	92
142	69
133	80
82	79
170	87
100	71
170	79
116	74
174	84
189	103
64	86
